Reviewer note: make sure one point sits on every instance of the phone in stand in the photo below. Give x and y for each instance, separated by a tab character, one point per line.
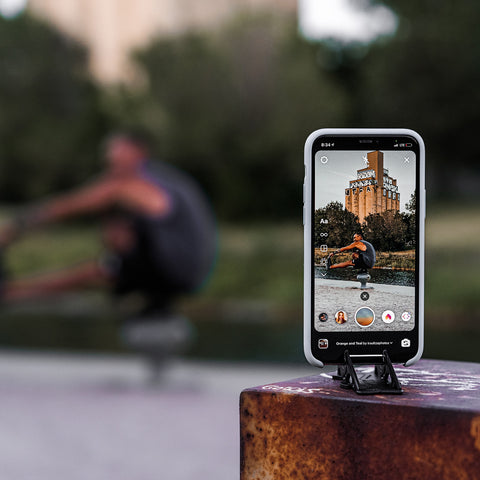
364	216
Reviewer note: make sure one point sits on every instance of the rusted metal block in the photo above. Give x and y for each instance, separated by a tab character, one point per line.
309	428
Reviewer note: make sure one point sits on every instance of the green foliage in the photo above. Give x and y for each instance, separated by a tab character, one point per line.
341	227
410	220
386	231
411	206
427	77
234	107
49	118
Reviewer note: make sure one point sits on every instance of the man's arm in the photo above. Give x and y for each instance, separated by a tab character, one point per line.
134	193
89	199
353	245
92	198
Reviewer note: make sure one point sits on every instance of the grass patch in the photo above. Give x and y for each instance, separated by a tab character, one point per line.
259	262
396	260
53	248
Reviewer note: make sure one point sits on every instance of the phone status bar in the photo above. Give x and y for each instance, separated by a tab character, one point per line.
358	143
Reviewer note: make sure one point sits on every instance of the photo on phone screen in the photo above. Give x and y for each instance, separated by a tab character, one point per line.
364	237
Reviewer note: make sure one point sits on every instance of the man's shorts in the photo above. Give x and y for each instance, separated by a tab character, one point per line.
359	262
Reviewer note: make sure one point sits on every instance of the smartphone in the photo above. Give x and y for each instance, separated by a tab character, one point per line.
364	216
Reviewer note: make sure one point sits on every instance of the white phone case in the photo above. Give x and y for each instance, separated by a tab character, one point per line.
307	221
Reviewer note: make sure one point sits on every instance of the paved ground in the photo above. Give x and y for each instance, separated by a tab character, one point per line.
98	418
333	295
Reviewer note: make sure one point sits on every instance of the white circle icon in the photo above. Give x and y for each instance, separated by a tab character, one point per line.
388	316
406	316
324	159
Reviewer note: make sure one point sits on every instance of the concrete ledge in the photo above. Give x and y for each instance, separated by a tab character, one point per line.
309	428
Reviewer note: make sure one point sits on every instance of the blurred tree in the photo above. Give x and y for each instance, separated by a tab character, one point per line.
234	108
50	123
341	227
426	77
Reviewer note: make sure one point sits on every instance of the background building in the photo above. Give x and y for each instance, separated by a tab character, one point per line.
111	29
373	191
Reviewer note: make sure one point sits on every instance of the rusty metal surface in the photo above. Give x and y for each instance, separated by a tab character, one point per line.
309	428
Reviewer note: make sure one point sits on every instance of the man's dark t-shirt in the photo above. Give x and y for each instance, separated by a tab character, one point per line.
174	253
366	258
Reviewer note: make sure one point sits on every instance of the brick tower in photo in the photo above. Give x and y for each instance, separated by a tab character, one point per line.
373	191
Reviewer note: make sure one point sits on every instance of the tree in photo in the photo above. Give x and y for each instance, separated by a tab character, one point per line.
386	231
341	227
410	220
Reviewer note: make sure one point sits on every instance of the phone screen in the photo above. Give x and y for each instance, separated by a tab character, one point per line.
364	247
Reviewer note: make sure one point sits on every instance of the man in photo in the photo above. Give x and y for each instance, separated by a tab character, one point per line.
363	256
